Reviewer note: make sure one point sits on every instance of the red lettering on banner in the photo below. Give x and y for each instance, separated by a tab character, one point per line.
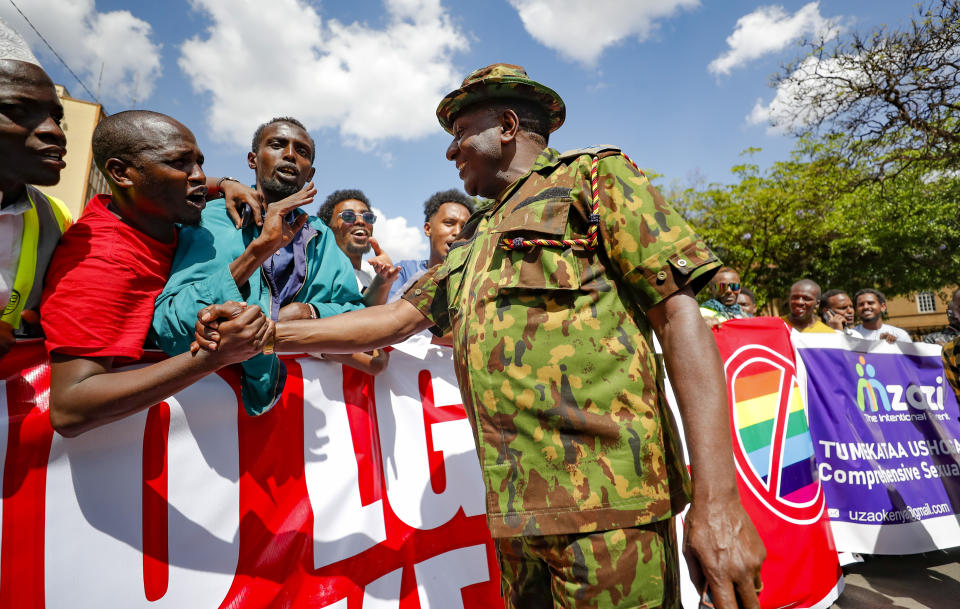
29	435
362	414
156	569
451	565
434	414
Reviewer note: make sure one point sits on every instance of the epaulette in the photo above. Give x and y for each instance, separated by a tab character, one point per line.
597	151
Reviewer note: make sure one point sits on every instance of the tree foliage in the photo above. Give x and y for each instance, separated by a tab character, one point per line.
816	217
893	95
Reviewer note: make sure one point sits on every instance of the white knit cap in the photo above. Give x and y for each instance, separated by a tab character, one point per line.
13	46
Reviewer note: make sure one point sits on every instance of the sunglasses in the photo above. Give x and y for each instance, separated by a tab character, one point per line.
349	216
723	286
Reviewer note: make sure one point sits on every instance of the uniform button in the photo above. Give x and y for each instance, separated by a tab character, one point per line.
681	262
418	291
662	275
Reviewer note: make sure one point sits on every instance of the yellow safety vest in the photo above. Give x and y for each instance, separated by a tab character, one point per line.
36	248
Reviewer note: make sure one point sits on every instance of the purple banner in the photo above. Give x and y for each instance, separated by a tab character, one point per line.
886	436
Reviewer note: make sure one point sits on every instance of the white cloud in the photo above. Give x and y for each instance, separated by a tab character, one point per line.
88	40
370	84
768	30
581	30
810	94
398	239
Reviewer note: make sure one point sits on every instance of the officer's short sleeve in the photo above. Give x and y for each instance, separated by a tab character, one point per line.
653	247
429	295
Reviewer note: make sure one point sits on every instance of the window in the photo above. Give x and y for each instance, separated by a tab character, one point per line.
926	302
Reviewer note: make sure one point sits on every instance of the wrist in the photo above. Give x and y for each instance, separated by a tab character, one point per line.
714	493
219	188
208	361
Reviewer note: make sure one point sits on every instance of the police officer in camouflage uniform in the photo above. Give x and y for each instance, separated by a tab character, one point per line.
551	295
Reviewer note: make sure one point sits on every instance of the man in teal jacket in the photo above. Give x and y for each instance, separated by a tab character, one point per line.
290	266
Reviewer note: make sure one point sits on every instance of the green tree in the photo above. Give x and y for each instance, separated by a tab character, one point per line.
891	94
815	216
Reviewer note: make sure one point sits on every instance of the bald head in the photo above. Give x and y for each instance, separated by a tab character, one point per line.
127	135
13	72
806	285
804	298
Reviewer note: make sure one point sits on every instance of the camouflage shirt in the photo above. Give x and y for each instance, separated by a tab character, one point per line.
552	346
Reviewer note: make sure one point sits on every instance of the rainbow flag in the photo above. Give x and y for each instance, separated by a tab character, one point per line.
756	413
773	450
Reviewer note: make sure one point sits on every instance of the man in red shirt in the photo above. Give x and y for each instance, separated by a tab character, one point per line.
105	276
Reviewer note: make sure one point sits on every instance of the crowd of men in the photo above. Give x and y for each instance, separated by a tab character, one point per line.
549	290
810	310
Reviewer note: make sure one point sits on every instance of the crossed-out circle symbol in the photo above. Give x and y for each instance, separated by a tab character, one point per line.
760	358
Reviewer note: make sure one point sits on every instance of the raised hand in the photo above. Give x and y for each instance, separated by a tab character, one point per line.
237	196
277	232
382	263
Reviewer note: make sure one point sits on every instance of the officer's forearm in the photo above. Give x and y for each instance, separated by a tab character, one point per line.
351	332
696	374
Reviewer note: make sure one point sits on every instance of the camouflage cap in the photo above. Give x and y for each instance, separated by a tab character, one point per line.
500	80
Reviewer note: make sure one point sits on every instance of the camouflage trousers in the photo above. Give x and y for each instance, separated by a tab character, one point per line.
617	569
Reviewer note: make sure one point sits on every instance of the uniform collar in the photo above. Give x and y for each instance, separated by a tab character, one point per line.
547	159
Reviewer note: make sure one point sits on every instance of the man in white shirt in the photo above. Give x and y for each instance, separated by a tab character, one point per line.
871	305
32	147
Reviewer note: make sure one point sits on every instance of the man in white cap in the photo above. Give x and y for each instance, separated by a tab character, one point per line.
32	147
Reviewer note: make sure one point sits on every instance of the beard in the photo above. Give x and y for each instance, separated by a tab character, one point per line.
276	187
358	250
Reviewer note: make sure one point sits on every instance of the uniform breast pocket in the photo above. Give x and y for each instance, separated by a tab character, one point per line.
546	263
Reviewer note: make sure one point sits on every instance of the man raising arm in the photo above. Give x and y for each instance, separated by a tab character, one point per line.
290	266
110	266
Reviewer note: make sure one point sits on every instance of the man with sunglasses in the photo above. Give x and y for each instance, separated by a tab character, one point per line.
724	291
347	212
289	264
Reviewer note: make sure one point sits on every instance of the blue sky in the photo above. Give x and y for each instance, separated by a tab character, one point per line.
683	86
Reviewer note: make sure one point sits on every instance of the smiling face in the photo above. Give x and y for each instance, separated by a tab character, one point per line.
869	307
352	237
803	302
443	227
476	150
168	183
283	161
32	145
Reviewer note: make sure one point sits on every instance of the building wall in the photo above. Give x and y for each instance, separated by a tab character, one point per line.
81	179
904	311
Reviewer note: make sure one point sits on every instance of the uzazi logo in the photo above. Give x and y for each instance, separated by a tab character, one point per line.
871	393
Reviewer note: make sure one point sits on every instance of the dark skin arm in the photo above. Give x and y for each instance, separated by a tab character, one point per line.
351	332
362	330
373	363
85	392
722	547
